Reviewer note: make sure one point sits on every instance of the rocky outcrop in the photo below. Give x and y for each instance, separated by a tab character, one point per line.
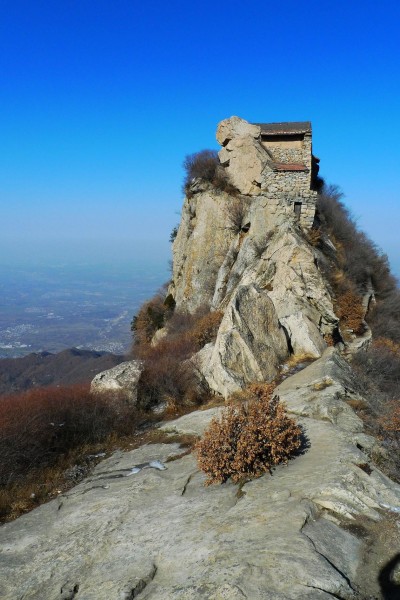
227	243
143	524
242	155
303	533
200	246
275	303
121	381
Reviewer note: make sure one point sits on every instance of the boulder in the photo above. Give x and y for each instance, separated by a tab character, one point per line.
234	127
121	380
242	155
250	343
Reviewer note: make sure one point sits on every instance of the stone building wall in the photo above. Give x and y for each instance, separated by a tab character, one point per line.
285	188
256	165
288	154
290	151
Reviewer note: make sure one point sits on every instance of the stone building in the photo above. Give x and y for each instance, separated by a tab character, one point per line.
291	173
274	160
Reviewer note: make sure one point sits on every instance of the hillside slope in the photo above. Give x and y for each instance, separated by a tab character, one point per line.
45	369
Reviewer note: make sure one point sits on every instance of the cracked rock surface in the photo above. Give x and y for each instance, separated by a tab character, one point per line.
162	534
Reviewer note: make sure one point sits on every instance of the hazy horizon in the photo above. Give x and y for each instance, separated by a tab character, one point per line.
101	103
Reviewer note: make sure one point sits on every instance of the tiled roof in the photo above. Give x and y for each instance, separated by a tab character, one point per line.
285	128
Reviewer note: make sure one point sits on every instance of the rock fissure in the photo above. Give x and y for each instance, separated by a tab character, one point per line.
139	587
185	486
346	579
328	593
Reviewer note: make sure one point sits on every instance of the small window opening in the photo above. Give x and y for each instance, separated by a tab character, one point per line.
297	208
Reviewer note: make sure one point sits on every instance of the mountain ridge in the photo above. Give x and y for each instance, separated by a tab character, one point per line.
44	369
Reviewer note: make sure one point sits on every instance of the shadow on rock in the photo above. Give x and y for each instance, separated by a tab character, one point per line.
305	443
389	588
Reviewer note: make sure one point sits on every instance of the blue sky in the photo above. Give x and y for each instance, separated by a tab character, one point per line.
100	102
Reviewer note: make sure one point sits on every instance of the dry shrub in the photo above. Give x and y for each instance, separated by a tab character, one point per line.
205	165
202	165
152	316
169	376
222	182
38	426
295	360
314	237
350	311
205	329
249	439
390	421
236	213
378	378
386	344
380	367
361	262
323	384
329	339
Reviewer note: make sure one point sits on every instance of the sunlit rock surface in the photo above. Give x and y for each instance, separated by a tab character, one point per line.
300	533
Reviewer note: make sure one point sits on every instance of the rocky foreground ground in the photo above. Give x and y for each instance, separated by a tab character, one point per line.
324	526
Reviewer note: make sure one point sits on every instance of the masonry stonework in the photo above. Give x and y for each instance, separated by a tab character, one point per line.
289	172
273	160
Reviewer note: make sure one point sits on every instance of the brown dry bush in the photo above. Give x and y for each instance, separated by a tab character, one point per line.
314	236
249	439
38	426
350	311
205	165
236	213
152	316
168	375
360	262
384	316
378	379
205	329
379	367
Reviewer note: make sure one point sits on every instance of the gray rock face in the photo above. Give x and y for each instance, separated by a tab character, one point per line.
200	247
121	380
250	344
275	302
155	534
228	129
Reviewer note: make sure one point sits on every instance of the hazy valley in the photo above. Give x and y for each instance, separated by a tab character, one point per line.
56	307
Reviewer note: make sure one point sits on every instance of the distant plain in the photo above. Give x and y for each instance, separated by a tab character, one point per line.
88	306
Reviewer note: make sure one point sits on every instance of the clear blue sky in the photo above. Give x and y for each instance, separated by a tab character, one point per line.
100	102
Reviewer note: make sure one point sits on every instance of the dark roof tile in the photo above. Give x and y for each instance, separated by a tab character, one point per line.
285	128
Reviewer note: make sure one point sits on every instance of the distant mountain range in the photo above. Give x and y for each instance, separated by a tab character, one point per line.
46	369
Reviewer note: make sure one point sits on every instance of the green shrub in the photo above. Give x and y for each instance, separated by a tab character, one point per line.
248	439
